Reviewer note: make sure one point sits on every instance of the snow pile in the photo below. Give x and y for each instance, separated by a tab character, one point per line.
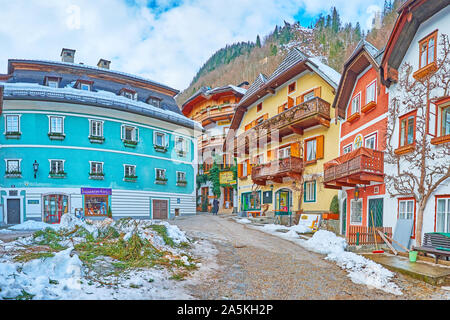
31	225
175	233
244	220
361	270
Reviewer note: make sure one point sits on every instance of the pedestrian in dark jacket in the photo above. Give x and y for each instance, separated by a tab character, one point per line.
215	206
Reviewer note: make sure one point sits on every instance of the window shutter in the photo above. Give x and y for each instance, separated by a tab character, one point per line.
266	116
136	130
166	140
320	147
317	92
253	123
304	191
432	115
295	150
249	167
314	197
269	155
290	102
240	170
298	100
122	133
280	109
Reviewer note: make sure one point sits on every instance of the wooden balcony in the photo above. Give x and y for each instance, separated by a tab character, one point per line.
293	120
216	141
361	166
214	114
277	170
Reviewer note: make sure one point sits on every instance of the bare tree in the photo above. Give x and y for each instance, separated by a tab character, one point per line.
421	171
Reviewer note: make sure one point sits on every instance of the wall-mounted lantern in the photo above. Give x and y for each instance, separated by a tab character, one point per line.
35	168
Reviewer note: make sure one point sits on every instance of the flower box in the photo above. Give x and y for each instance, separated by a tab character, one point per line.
95	139
130	178
160	181
97	176
60	174
13	135
56	136
13	174
440	140
181	153
405	149
130	143
353	117
368	107
160	148
181	183
425	71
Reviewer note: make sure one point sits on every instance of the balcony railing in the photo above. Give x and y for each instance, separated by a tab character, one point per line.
214	113
307	114
277	169
362	164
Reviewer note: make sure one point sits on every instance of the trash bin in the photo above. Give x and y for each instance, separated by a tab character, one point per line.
412	256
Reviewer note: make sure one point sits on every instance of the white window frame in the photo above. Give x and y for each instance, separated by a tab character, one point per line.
182	172
85	87
284	152
309	96
403	214
50	124
91	122
135	132
154	99
52	83
50	165
183	144
6	122
129	95
358	95
349	146
308	149
163	170
244	168
125	166
374	84
6	164
295	90
164	137
368	138
96	162
352	213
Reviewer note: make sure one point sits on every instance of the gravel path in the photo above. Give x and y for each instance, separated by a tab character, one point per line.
250	264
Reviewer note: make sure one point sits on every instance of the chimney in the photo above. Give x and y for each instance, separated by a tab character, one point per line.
102	63
67	55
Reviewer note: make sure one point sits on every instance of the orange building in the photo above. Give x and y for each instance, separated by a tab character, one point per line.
214	109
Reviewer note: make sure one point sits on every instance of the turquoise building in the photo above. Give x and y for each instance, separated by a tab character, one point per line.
93	142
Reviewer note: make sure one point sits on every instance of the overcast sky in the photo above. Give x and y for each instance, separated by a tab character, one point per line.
164	40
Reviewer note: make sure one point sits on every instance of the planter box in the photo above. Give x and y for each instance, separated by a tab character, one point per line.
94	139
161	181
130	179
405	149
56	136
160	148
425	71
440	140
353	117
13	175
368	107
96	176
181	153
130	144
59	175
12	135
182	183
330	216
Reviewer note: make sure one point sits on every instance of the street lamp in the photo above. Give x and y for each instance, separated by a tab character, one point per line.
35	168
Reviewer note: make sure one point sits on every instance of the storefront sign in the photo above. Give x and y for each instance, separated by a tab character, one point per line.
33	201
96	191
226	177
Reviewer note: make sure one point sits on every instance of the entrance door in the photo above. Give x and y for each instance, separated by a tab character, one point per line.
375	208
282	201
13	211
160	209
228	197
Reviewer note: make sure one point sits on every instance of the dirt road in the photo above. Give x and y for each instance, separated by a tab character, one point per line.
250	264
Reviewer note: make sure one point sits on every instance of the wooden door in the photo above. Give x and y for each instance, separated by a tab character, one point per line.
13	211
160	209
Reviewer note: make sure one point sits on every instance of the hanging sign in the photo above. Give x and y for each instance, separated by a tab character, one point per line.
96	191
226	177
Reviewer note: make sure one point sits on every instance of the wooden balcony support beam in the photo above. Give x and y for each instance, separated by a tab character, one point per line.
296	130
357	181
331	186
324	122
372	177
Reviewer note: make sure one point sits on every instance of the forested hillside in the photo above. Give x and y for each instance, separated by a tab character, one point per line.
327	38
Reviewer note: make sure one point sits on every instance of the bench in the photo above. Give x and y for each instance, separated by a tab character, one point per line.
253	213
436	244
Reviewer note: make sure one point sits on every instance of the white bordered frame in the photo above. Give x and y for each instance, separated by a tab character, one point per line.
370	140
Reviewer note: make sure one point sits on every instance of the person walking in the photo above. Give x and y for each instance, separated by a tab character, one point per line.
215	206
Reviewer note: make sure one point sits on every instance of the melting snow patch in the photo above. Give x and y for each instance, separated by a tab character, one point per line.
244	220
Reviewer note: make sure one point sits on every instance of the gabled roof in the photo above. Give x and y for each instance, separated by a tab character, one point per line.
293	64
411	14
364	55
206	93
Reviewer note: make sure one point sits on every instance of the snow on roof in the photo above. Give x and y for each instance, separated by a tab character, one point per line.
91	96
327	70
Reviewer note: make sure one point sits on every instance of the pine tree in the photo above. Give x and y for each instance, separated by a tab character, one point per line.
258	41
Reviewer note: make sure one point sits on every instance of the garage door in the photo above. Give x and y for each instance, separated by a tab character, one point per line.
160	209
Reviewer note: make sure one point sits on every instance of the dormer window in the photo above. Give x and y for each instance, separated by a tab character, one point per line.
84	85
52	82
128	93
154	101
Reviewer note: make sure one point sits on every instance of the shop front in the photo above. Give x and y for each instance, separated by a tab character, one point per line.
54	206
96	201
251	202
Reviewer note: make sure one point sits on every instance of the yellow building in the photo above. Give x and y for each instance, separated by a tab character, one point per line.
283	131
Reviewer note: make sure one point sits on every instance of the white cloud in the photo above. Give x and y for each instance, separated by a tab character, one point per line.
168	46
